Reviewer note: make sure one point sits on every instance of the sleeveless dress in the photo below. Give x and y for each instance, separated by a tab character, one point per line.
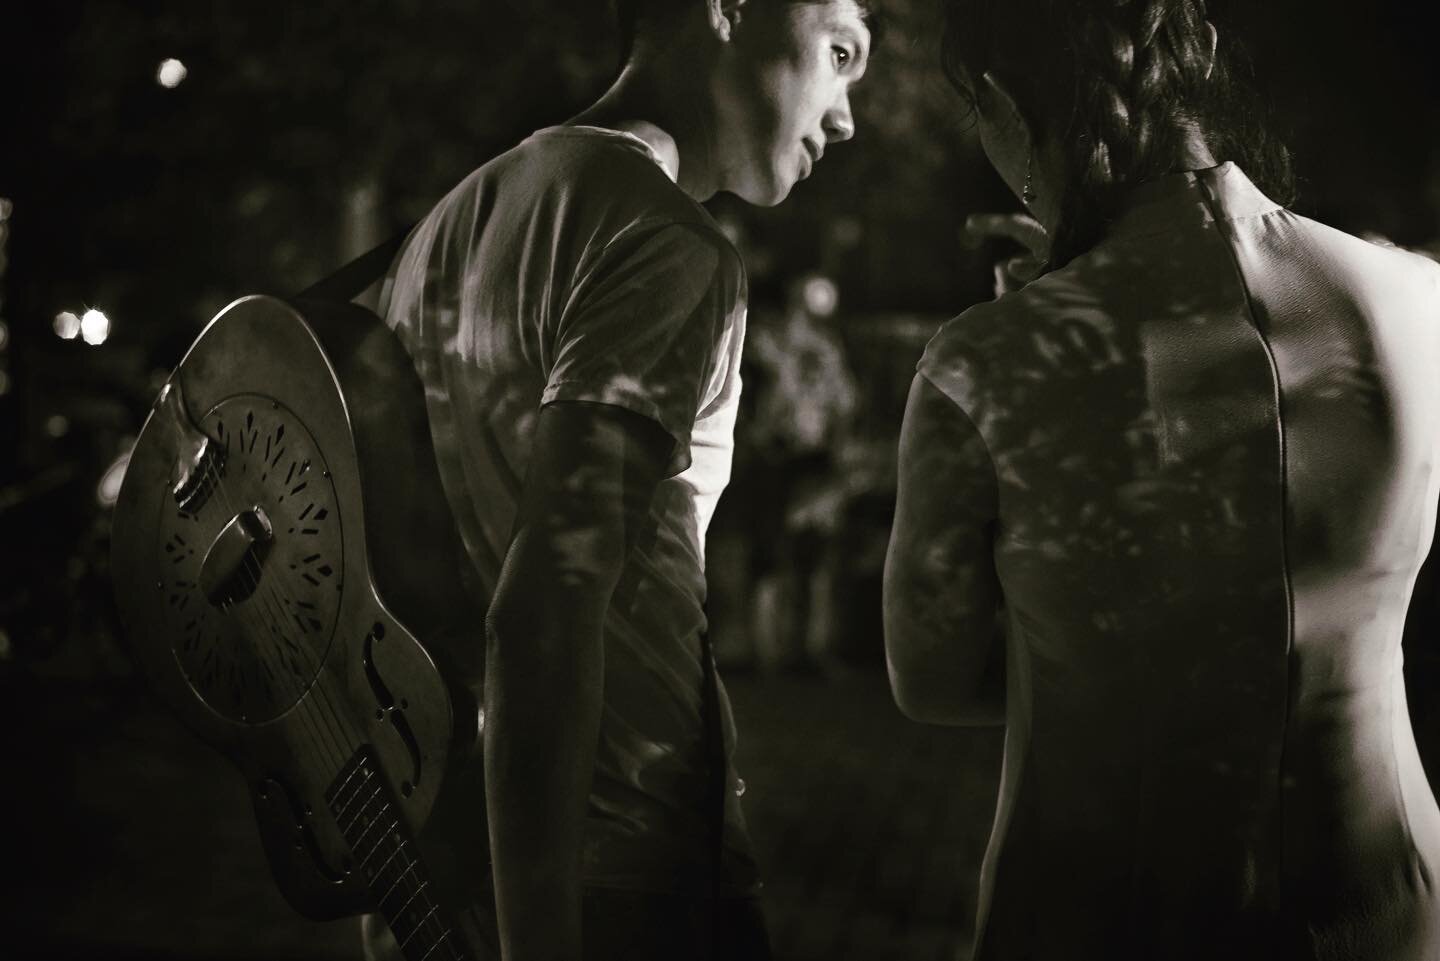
1216	440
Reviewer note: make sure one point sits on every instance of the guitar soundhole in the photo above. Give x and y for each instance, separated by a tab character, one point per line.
253	658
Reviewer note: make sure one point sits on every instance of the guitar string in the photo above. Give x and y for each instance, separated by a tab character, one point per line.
340	730
391	832
316	725
247	619
300	647
336	718
327	722
251	571
302	652
278	598
316	728
401	842
340	718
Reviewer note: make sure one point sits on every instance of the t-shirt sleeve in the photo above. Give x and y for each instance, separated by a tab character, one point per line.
643	329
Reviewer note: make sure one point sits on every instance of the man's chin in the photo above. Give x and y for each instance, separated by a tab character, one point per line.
767	193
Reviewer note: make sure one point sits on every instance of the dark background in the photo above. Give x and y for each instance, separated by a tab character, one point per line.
304	133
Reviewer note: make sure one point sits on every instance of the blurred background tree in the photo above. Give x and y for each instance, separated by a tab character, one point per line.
301	133
286	138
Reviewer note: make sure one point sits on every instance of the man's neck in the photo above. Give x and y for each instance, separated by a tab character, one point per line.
669	114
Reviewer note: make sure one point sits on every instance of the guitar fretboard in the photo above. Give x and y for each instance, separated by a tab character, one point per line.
366	811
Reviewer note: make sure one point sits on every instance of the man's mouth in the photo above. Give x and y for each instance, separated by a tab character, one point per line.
811	156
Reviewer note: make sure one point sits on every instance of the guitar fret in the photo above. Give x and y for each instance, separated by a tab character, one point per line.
340	814
399	849
335	794
443	939
431	920
358	843
396	883
418	891
347	828
368	809
348	789
369	820
429	914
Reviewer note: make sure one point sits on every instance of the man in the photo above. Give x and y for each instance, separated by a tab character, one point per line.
577	319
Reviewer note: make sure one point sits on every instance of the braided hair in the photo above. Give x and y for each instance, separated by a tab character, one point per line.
1119	85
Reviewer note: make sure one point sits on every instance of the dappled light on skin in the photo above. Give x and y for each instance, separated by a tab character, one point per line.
1173	459
581	388
935	591
1167	460
1121	443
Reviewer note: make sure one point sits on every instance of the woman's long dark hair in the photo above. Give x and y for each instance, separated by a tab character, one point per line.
1115	83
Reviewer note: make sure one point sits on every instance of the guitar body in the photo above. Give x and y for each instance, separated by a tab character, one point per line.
291	582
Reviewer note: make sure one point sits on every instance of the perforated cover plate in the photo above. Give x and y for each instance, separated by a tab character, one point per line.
253	659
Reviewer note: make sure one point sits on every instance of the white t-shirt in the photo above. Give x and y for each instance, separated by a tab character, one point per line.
572	268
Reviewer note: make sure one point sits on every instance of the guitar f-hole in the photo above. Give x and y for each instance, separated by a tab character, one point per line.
388	710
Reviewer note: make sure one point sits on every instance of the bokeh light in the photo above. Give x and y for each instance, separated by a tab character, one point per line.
821	296
94	327
67	325
171	73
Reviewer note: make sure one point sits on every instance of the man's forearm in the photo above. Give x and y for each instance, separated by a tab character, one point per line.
592	476
543	697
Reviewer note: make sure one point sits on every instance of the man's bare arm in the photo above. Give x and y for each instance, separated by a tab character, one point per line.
592	474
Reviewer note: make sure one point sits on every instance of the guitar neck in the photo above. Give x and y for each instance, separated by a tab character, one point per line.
364	808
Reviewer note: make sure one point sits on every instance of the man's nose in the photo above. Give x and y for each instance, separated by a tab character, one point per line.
839	124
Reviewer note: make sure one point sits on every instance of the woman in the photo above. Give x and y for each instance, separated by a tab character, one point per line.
1198	461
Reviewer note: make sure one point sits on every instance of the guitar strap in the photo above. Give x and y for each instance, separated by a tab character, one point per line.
358	274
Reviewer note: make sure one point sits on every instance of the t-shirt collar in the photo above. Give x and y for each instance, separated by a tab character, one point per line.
580	129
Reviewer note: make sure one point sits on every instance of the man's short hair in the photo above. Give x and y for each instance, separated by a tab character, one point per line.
635	16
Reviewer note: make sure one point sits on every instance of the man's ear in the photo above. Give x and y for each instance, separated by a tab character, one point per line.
723	16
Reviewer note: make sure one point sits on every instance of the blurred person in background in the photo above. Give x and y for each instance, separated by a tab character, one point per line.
1192	469
802	420
577	319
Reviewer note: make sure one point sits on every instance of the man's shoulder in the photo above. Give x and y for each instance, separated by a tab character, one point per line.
579	200
605	171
